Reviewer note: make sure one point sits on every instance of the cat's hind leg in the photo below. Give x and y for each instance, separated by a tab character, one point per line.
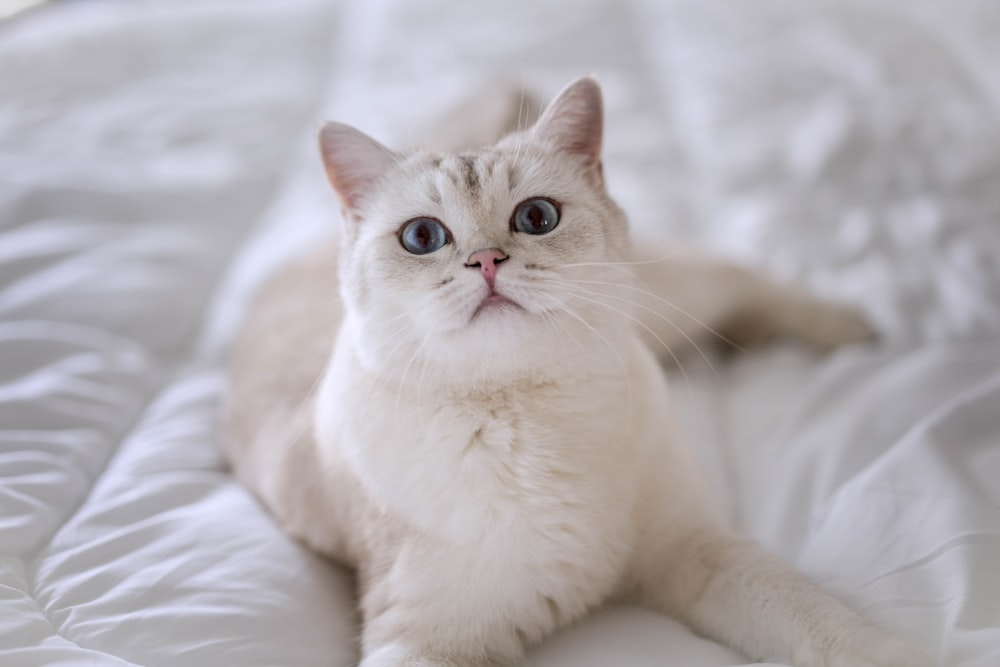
684	298
732	590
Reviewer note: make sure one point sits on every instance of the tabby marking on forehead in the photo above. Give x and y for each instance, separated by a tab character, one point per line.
512	176
471	175
467	172
433	193
461	171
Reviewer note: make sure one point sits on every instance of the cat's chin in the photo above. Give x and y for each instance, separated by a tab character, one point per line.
495	305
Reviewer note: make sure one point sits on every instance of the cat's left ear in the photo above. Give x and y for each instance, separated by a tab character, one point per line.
355	164
574	123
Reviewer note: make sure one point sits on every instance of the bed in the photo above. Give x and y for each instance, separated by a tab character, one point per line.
157	162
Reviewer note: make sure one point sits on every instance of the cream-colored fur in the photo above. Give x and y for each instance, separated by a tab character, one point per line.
493	472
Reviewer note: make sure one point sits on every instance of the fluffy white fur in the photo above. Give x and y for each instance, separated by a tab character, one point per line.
494	472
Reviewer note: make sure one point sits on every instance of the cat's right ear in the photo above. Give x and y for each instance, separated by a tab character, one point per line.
354	163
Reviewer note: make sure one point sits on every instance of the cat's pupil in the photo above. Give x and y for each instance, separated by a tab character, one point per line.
536	217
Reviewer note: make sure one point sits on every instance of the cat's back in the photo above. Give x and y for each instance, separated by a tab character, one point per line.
284	344
276	362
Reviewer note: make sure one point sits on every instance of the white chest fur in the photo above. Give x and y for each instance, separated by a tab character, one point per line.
531	482
462	467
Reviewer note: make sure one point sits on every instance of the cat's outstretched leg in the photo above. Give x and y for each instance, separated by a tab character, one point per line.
732	590
685	298
397	655
430	634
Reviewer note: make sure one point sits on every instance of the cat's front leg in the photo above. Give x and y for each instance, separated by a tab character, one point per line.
734	591
436	630
398	655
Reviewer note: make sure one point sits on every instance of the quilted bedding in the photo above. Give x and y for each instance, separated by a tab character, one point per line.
157	161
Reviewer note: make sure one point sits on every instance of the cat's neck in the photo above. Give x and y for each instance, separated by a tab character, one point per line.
410	368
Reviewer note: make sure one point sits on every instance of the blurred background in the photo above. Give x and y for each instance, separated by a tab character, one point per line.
158	159
852	145
10	7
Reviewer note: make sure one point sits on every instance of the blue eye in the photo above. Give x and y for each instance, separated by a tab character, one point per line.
423	235
535	216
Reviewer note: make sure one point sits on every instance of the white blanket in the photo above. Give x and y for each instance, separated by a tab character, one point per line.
157	160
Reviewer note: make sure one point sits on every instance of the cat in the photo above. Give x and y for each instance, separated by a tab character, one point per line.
461	399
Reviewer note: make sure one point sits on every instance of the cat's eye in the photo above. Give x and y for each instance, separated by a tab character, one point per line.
535	216
423	235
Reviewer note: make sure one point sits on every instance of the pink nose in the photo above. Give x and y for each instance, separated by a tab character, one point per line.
487	261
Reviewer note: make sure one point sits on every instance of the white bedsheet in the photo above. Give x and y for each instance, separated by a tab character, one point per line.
157	160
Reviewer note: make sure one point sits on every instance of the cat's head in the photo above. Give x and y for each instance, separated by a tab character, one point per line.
500	259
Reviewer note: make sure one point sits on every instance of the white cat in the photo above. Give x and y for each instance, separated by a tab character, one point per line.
491	444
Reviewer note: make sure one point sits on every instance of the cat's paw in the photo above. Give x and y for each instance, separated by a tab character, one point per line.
873	648
900	656
396	655
827	325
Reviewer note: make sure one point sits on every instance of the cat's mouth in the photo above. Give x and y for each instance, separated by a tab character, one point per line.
495	302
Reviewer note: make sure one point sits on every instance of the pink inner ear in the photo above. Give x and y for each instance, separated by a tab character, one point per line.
574	121
354	162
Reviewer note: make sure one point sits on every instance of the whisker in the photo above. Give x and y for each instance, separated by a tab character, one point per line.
302	416
657	314
621	362
666	302
402	380
406	328
385	341
641	324
561	328
423	370
395	333
643	262
520	110
522	125
518	146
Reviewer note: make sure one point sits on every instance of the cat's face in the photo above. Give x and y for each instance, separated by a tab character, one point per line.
500	257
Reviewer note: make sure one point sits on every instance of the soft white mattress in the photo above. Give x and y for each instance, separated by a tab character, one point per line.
157	160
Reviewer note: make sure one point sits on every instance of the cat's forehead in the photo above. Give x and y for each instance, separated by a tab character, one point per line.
472	192
470	172
475	181
471	176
